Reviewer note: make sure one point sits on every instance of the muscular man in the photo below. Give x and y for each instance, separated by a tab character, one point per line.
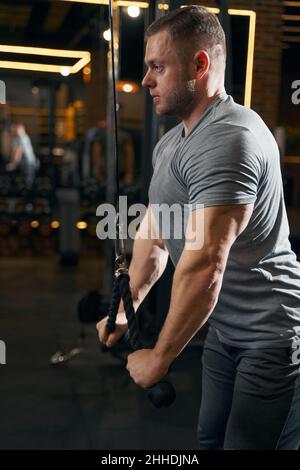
245	279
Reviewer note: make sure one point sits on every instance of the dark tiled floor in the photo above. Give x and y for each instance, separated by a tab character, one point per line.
90	401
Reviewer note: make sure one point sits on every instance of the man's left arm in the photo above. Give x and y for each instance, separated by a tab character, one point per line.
196	285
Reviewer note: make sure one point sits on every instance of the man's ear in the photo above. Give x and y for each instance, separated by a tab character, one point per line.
201	63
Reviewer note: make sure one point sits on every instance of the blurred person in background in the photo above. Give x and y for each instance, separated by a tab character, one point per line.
23	157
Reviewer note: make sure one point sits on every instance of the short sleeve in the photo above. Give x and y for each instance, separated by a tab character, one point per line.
224	174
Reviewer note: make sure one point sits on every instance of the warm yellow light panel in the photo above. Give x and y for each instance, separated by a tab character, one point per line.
83	57
250	54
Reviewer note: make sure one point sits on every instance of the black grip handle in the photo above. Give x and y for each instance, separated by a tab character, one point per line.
162	394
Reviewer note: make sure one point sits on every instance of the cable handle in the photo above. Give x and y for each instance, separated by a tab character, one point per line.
163	393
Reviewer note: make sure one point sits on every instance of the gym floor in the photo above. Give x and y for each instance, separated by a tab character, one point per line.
90	401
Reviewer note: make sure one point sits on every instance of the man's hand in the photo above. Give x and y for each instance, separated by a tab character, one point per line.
146	368
121	328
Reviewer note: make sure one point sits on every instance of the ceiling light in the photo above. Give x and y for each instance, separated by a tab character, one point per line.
87	70
133	11
127	88
65	71
107	35
81	225
55	224
34	224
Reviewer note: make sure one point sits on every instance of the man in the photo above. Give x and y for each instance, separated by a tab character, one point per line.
22	154
245	279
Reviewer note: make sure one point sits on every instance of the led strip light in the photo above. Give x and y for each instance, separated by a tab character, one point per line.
83	57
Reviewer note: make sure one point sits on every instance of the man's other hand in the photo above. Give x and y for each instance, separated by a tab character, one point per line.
112	338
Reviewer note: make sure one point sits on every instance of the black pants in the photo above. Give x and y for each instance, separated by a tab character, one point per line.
250	398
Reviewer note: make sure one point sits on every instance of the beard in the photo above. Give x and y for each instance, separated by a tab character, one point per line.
182	100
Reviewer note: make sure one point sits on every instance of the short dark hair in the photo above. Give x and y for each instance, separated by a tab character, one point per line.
193	25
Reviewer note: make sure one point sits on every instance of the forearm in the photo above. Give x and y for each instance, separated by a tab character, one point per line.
194	296
148	262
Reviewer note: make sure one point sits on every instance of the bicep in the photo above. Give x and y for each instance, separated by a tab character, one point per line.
149	229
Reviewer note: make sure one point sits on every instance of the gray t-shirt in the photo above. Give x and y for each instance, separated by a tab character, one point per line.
231	157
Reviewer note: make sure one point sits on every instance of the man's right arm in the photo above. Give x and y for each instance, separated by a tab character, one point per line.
149	260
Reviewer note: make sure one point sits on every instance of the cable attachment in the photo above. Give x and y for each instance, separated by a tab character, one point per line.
120	266
120	254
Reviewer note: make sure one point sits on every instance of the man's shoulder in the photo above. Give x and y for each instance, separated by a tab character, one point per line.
234	124
237	118
230	137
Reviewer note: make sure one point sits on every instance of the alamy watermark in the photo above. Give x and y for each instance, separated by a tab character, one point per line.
2	92
2	352
296	93
296	353
170	222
